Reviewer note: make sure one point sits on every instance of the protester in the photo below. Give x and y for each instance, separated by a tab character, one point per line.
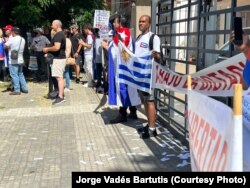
77	51
53	85
245	48
7	30
98	62
68	54
59	60
2	57
141	47
38	43
88	54
105	45
127	95
16	42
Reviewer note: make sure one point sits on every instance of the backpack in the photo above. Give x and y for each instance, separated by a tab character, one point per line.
162	59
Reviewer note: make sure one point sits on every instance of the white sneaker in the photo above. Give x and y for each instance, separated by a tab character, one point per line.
66	90
85	85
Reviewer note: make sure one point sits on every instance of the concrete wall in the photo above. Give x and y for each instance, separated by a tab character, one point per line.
141	10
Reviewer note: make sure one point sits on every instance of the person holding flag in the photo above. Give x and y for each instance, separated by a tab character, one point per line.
119	93
141	47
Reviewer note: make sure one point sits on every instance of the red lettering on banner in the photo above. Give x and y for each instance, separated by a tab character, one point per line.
211	138
193	84
232	78
221	80
222	162
214	154
194	124
175	81
205	143
166	77
157	75
196	120
207	83
158	78
235	70
214	75
242	64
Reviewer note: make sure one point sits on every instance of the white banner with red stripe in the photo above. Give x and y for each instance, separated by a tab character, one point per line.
215	135
216	80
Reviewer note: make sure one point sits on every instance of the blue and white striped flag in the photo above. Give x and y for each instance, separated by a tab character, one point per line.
136	71
119	93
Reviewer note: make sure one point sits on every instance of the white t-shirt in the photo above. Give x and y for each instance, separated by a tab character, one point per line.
142	44
98	50
13	44
89	51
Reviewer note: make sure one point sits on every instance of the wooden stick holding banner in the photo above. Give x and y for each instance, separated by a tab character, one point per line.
189	82
237	137
237	99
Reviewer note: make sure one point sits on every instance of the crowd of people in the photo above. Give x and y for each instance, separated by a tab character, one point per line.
88	51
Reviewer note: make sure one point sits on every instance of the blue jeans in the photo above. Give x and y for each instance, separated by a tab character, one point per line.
16	73
67	77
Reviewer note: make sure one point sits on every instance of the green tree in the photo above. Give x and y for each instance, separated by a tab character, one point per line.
30	13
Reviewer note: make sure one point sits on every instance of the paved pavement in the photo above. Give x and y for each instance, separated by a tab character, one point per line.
41	143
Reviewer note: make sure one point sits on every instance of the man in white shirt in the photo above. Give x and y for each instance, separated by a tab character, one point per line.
88	54
142	46
16	42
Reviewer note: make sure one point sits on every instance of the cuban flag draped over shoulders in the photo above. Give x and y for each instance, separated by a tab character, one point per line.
120	93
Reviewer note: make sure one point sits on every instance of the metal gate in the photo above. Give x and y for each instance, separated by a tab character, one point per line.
194	35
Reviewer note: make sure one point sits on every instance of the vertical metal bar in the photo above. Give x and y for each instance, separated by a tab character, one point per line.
188	35
233	14
133	19
204	35
225	27
172	67
187	66
198	59
153	15
117	6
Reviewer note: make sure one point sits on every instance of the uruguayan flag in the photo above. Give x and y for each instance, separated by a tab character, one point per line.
119	93
136	71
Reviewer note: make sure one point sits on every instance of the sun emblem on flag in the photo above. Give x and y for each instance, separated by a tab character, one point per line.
125	55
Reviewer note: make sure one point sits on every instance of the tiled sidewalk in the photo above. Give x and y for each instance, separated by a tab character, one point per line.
42	144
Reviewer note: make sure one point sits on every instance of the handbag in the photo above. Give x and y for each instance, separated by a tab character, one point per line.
71	60
49	58
14	53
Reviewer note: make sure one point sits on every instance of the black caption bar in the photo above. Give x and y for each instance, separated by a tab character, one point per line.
179	179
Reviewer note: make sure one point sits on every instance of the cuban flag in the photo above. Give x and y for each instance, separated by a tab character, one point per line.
120	93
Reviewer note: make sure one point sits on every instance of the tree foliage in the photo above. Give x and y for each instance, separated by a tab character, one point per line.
32	13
